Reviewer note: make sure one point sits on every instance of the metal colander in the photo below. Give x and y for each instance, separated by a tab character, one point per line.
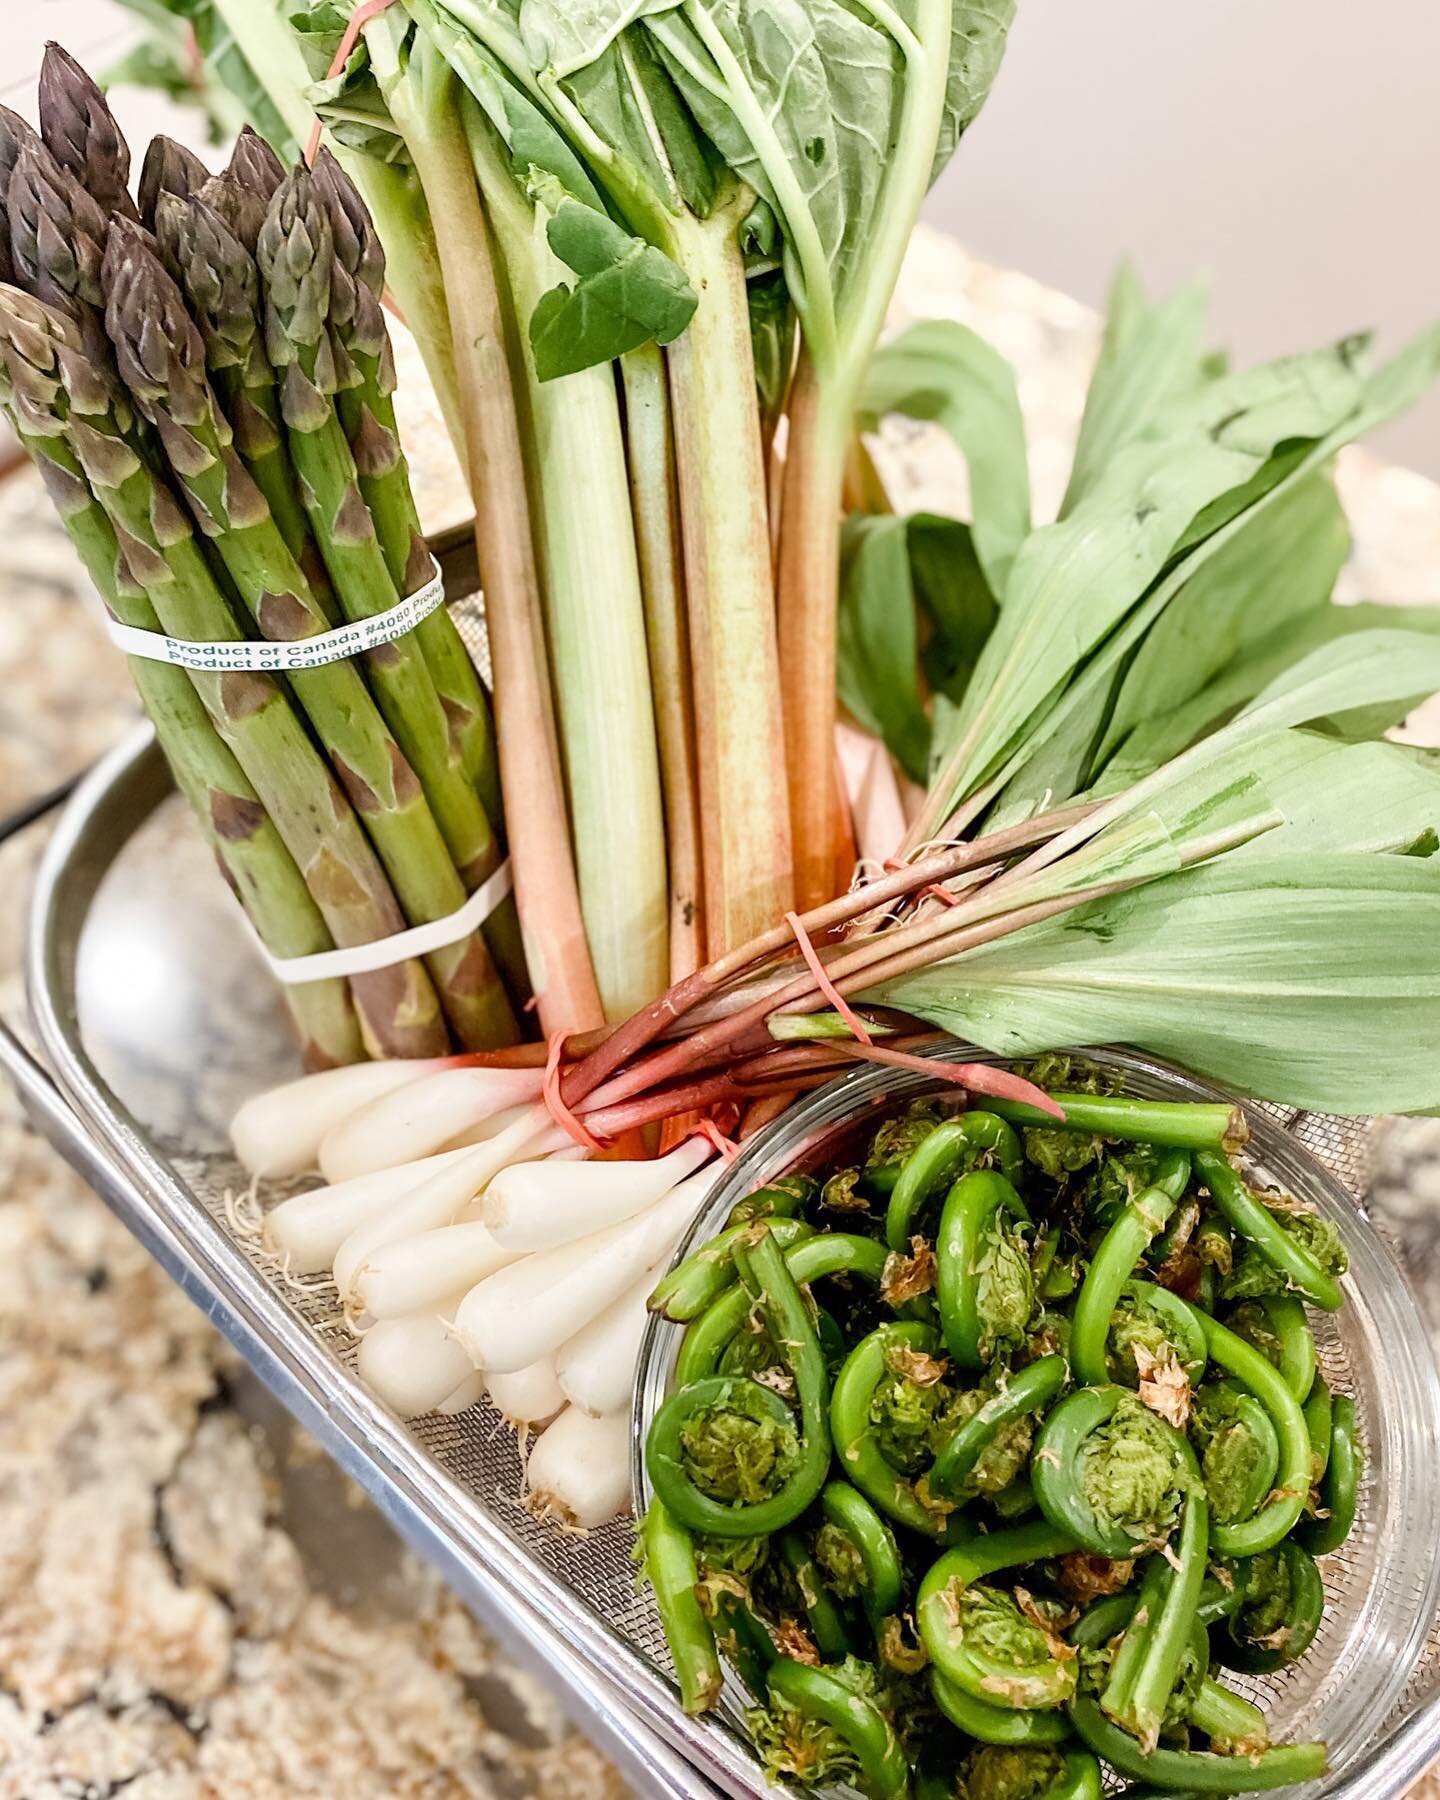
136	1087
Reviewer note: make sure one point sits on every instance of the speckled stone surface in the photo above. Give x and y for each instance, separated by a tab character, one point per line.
175	1620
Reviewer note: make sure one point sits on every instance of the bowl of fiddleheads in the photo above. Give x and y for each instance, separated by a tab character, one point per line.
983	1453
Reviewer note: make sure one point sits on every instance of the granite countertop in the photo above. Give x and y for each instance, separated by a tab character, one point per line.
193	1603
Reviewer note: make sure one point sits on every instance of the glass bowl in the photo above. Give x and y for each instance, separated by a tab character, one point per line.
1383	1585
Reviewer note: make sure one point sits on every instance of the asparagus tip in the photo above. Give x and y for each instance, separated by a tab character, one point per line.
158	350
81	132
255	165
240	207
169	168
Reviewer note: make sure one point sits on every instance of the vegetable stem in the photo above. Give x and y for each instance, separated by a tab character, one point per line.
595	617
730	591
546	892
655	502
809	583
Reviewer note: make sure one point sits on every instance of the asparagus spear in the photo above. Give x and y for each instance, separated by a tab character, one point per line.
296	260
222	284
15	133
80	132
169	168
256	168
57	240
367	413
161	360
398	1009
251	855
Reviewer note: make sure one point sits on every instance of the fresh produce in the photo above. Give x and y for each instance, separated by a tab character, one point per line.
987	1505
1123	776
339	796
485	1253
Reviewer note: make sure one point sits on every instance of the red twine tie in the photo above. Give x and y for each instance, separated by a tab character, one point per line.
554	1098
711	1132
977	1078
826	986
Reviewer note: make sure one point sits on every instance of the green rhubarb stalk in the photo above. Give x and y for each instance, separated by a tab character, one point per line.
655	503
80	132
744	806
723	494
161	359
255	862
557	953
367	412
218	274
296	260
398	1009
596	619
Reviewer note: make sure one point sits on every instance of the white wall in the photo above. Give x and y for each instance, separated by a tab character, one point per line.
1290	147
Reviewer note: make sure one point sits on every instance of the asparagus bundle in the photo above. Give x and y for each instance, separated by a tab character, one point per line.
344	799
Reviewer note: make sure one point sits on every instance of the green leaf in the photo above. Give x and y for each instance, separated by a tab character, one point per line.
1349	797
978	33
1083	707
628	294
562	36
1074	581
772	338
943	372
801	102
1148	356
1311	982
1281	564
876	648
954	597
1266	661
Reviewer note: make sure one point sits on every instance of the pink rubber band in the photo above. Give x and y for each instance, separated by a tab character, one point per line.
826	986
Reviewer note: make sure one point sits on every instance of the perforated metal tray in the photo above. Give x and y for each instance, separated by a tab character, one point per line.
153	1019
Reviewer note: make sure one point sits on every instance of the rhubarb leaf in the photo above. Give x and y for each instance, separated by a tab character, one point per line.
627	294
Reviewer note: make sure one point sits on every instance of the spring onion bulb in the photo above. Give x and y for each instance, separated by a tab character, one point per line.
437	1200
538	1205
412	1274
414	1364
596	1368
486	1129
308	1229
280	1131
469	1391
528	1398
530	1309
422	1117
579	1471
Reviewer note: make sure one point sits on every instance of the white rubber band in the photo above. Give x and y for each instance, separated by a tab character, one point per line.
302	653
384	953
